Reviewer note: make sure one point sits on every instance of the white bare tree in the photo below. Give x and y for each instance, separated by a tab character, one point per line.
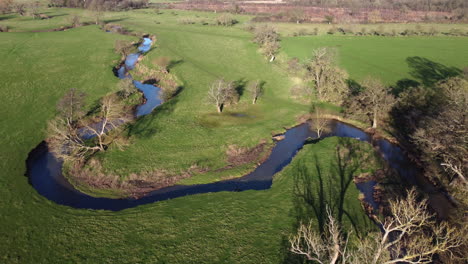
409	235
320	122
69	139
220	93
329	248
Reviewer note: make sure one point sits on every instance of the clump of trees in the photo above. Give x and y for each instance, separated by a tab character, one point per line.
72	137
409	235
222	93
268	40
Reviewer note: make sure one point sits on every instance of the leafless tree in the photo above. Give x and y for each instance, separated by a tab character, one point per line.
220	93
320	121
444	138
69	135
256	89
412	234
409	235
71	105
75	21
329	80
374	102
19	8
327	248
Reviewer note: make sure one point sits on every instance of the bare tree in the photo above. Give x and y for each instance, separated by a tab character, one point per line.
110	116
327	248
69	137
329	80
320	121
409	235
256	89
71	105
19	8
220	93
444	137
412	234
375	101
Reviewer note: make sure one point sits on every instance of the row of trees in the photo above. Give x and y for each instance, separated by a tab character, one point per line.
268	40
101	5
423	5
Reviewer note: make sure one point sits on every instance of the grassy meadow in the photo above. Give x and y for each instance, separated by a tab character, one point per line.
226	227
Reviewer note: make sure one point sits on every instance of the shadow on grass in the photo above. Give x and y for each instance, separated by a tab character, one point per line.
322	186
147	126
106	21
430	72
6	17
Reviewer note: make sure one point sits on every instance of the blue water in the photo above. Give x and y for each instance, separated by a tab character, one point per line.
146	45
45	173
151	93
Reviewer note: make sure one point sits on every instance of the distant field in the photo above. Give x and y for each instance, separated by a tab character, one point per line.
384	57
288	29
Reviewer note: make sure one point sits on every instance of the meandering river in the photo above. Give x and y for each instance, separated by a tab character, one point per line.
45	170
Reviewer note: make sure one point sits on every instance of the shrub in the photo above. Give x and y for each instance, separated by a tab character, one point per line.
126	88
226	20
4	28
186	21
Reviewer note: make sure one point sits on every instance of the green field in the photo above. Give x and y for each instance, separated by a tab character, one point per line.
227	227
385	57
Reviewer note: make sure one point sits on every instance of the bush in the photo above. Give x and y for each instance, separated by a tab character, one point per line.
4	28
126	88
226	20
332	31
186	21
123	47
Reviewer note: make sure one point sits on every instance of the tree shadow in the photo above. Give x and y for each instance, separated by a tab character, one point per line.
239	86
57	15
430	72
404	85
106	21
354	87
147	126
6	17
174	63
323	187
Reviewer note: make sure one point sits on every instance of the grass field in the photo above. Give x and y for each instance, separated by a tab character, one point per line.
245	227
385	57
